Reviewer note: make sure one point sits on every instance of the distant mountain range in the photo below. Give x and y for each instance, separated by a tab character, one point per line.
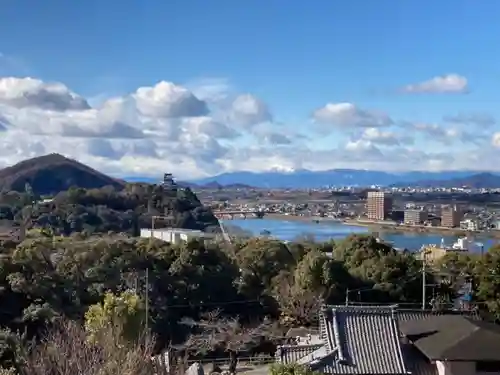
193	185
477	181
303	179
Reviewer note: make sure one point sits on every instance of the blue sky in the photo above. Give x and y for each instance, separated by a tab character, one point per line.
403	67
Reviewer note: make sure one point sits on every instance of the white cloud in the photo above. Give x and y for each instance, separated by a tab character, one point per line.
472	119
168	100
362	146
272	134
208	126
347	115
116	149
495	140
447	135
450	83
211	90
84	123
200	131
30	92
277	139
247	110
156	123
103	148
387	138
4	123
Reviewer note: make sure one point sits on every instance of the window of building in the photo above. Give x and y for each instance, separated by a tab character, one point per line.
488	366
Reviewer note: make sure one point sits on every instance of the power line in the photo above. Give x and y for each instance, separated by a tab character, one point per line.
236	302
147	299
373	288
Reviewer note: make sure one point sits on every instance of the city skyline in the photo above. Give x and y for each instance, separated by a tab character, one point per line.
201	88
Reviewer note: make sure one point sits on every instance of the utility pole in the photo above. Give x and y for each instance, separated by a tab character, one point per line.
424	281
147	299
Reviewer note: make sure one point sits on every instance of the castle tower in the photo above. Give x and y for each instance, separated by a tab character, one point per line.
169	192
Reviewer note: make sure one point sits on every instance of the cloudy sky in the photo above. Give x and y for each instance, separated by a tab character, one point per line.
201	87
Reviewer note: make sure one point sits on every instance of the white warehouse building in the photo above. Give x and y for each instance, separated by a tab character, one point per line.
175	235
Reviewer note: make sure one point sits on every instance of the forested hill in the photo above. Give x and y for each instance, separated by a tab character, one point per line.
53	173
107	209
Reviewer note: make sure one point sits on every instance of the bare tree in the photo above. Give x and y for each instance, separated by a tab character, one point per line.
216	332
65	350
299	307
195	344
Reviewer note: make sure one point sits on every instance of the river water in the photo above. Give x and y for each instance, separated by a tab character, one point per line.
291	229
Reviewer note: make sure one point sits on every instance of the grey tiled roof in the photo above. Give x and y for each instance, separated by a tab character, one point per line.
405	315
294	353
454	338
362	340
357	340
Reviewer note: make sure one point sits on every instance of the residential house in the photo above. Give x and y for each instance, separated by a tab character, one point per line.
470	224
456	345
356	340
362	340
176	235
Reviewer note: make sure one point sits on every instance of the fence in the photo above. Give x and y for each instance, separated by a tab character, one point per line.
163	366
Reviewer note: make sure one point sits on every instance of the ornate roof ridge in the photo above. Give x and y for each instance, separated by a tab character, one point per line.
358	309
301	346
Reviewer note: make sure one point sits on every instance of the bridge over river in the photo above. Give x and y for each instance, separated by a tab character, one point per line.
238	214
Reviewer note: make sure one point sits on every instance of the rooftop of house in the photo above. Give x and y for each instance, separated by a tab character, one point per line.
357	340
189	232
454	338
415	314
172	230
367	340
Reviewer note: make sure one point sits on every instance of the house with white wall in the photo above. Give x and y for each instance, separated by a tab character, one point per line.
176	235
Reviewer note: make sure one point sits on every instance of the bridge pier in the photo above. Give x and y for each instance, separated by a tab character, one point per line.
230	215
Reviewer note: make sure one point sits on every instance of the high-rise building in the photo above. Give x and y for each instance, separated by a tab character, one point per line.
450	216
379	205
415	217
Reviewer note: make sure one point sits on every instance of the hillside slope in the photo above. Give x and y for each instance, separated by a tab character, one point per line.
53	173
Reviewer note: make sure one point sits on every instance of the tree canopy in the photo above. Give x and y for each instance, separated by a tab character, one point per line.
106	210
65	271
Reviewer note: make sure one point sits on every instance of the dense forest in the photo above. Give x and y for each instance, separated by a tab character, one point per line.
81	268
106	210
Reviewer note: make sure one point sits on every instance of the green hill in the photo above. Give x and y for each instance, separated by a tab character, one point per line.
53	173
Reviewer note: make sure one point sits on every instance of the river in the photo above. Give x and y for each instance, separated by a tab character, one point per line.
323	231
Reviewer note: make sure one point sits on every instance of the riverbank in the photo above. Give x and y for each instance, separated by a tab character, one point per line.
289	230
379	227
305	219
423	229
